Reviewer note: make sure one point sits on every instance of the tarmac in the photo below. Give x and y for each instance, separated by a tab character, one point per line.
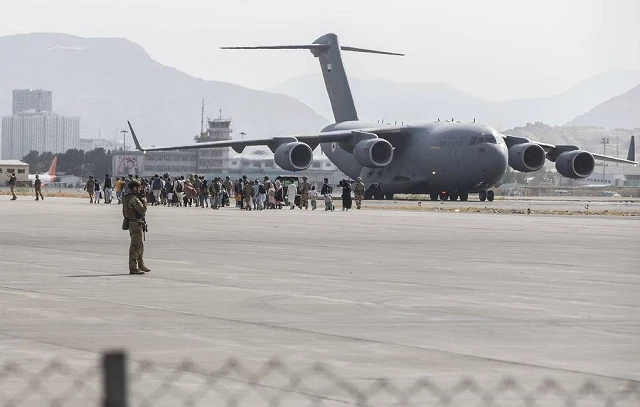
370	294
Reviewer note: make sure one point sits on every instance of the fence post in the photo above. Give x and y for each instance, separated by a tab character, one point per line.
114	371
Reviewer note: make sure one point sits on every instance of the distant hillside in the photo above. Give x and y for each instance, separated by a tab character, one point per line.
107	81
619	112
419	102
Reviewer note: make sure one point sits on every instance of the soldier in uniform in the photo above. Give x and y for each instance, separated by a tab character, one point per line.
134	210
37	185
228	186
305	187
12	185
358	192
91	187
247	193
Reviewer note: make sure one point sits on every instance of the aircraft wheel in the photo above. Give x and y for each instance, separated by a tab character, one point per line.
464	196
482	195
490	196
433	197
453	196
388	196
444	196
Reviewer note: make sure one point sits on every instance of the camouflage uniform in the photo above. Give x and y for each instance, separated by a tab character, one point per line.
359	192
134	210
12	185
91	188
37	185
305	187
228	186
247	193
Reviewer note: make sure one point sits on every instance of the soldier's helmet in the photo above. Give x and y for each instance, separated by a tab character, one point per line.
37	176
326	180
90	176
359	179
133	183
304	178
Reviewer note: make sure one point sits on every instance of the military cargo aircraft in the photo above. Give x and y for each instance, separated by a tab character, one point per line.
445	159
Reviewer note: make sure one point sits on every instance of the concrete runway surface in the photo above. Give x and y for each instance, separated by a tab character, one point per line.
372	293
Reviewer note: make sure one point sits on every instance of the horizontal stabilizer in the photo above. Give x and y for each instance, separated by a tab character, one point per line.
317	47
309	46
370	51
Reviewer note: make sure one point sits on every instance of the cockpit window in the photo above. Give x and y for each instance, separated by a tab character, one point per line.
473	141
490	139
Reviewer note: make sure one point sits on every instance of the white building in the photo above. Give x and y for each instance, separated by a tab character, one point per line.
88	144
41	132
10	166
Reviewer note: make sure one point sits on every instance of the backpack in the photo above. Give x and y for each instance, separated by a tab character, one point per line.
179	187
261	189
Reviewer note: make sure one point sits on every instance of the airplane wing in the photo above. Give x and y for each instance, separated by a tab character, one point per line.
274	142
553	150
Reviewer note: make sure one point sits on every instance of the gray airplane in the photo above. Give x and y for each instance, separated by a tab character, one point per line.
445	159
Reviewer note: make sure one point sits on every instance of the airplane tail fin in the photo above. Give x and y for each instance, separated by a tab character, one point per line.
52	168
135	138
631	155
328	51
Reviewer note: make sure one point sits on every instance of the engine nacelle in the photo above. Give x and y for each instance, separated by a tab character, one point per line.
294	156
526	157
575	164
373	153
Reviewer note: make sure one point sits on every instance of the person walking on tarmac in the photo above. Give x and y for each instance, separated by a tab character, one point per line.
134	210
12	185
358	192
37	185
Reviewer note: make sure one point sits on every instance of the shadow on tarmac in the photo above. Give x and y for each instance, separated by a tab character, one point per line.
99	275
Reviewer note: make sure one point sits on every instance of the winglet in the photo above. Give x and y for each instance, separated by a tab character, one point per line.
52	168
631	155
135	139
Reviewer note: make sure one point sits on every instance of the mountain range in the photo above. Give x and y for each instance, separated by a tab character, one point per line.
622	111
381	99
107	81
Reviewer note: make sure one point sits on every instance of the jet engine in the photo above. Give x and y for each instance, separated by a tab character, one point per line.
575	164
373	153
526	157
293	156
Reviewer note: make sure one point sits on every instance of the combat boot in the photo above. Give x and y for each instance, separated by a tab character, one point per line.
136	271
144	268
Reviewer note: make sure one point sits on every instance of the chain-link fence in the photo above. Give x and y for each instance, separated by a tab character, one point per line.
119	383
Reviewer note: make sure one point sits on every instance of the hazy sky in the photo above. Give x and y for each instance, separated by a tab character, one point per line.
496	49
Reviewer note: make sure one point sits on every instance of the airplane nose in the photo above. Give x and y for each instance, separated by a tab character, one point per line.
497	161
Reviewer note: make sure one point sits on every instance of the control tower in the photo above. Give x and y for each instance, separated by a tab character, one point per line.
214	160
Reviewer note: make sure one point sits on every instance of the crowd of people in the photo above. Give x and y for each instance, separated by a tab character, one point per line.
196	191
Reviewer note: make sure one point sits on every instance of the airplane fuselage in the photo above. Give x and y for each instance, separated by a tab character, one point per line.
452	157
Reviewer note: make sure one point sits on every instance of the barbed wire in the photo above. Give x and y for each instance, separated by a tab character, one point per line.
275	383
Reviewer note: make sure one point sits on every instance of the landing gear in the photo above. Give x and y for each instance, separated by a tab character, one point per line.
464	196
388	196
443	196
453	196
433	197
486	195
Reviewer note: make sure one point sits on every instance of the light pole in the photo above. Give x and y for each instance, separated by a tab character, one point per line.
604	142
124	139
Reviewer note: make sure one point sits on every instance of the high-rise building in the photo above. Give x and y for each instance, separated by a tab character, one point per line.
41	132
34	126
32	101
